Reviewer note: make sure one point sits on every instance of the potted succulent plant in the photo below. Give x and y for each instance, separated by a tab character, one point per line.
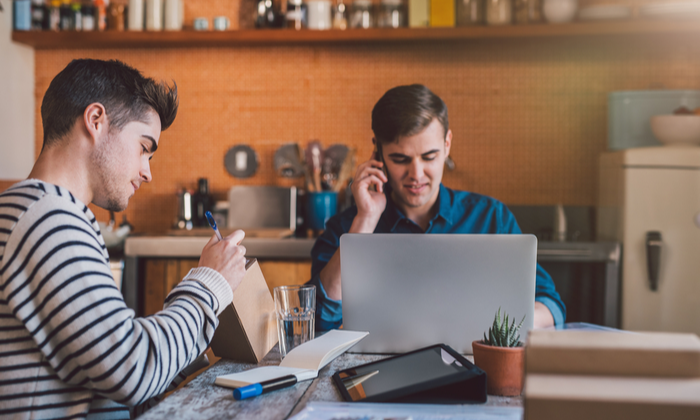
502	356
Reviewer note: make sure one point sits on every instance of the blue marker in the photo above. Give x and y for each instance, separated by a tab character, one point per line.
264	387
212	223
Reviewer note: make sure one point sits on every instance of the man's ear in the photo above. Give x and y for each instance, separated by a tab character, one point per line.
95	121
448	142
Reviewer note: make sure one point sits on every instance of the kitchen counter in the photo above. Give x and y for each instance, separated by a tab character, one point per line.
299	249
191	247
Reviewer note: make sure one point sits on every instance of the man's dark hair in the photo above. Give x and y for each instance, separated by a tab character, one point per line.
126	95
405	111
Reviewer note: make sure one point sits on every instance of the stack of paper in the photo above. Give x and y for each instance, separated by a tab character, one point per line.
604	375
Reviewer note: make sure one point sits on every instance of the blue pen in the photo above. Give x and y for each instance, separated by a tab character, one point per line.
212	223
254	390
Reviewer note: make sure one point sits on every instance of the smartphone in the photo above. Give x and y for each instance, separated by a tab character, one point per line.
378	156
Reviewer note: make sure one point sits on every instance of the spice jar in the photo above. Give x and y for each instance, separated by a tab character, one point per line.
471	12
391	14
296	15
527	11
361	16
499	12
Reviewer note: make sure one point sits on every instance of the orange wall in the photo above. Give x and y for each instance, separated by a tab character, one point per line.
529	116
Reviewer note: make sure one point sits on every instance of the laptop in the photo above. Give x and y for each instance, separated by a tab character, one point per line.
415	290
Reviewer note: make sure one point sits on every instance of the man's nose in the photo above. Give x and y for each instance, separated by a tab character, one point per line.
146	172
415	170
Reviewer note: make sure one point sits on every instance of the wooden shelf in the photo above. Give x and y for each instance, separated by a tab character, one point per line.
110	39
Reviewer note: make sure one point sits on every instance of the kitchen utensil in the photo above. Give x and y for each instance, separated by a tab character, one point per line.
559	11
286	161
333	158
241	161
677	130
314	157
345	170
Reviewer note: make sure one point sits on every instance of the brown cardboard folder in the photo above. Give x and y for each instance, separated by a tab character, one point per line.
247	327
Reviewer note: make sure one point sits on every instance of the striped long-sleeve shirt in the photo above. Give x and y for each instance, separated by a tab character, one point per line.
69	346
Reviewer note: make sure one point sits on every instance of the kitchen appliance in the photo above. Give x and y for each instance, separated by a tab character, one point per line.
262	207
629	114
650	201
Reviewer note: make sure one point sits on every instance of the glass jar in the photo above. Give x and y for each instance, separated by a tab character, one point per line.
391	14
296	15
340	16
527	11
471	12
499	12
362	16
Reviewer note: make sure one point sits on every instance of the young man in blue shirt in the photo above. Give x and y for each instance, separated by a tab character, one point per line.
399	190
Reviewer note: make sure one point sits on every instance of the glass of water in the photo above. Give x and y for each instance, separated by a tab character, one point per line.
296	309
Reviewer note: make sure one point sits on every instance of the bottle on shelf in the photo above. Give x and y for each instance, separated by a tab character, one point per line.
136	15
340	16
88	17
39	20
115	17
442	13
101	15
174	15
296	15
22	15
471	12
66	12
362	14
499	12
391	14
419	13
202	202
53	15
154	15
77	16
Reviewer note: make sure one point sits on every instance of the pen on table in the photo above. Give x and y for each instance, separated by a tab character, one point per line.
254	390
212	223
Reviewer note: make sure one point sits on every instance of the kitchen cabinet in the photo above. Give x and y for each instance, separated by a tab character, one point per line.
161	275
168	39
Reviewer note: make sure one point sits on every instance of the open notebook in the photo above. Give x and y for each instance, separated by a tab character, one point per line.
303	361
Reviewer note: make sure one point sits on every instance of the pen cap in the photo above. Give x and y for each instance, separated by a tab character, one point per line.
247	391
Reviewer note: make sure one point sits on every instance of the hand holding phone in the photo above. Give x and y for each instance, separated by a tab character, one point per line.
368	189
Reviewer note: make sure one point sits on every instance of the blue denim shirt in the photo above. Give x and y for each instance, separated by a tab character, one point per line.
458	212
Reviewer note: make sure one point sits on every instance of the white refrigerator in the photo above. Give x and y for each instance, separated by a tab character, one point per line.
649	200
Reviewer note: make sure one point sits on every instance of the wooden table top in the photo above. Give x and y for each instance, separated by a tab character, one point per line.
201	399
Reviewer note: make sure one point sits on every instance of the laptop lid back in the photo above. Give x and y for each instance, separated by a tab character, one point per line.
414	290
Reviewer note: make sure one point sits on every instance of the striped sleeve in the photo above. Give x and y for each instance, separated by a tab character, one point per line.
55	279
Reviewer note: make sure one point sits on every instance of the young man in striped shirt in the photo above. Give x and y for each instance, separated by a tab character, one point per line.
69	346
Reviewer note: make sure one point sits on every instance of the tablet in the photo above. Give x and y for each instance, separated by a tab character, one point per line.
435	374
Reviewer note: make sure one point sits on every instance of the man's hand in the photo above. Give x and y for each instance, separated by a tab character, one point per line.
227	257
370	204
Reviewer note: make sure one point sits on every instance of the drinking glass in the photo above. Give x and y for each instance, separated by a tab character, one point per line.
296	309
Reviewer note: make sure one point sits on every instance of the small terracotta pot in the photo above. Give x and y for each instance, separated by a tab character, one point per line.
504	367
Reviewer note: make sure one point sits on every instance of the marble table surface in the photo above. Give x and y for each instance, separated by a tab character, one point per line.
201	399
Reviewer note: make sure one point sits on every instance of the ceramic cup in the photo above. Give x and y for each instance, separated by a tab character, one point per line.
560	11
221	23
319	12
201	24
321	207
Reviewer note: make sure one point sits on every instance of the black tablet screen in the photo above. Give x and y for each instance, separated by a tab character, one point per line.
366	381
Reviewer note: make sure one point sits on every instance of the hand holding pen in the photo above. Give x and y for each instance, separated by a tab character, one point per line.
225	255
